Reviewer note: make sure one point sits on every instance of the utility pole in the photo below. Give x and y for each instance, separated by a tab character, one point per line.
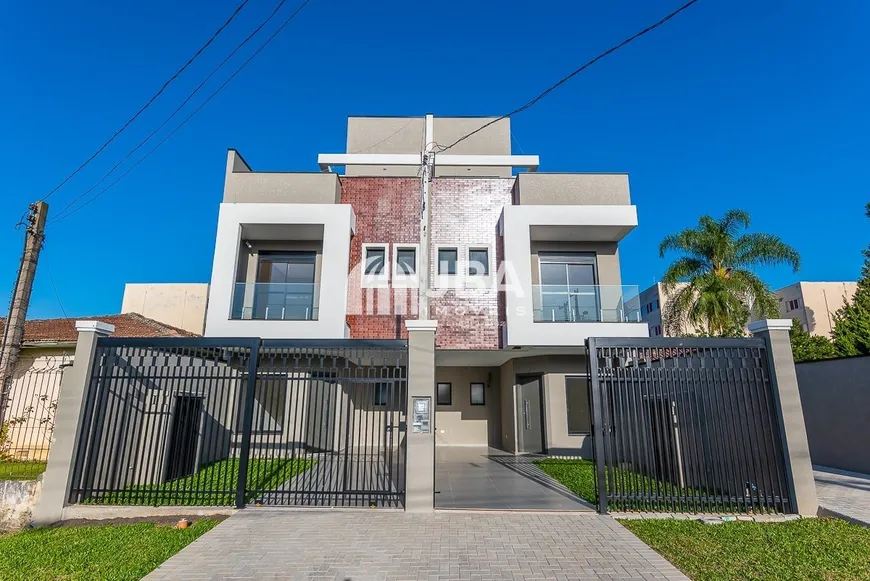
13	332
426	175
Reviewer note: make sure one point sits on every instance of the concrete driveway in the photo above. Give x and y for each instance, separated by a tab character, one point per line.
487	478
358	545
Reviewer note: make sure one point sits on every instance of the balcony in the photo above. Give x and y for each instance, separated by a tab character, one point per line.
275	301
585	304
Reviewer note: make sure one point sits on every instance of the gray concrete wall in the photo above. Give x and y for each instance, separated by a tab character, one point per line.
463	424
494	140
287	188
420	478
507	387
572	189
17	500
606	258
383	135
835	395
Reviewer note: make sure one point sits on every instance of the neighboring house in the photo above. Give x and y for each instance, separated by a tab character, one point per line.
180	305
49	346
518	269
653	302
813	304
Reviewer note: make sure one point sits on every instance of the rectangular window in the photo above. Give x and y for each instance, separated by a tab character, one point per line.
376	258
478	262
447	258
568	288
382	393
577	400
477	394
406	260
793	305
658	305
444	394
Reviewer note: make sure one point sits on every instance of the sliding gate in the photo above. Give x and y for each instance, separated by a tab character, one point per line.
202	421
686	425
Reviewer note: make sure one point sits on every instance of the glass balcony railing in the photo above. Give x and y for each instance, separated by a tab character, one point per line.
585	304
271	301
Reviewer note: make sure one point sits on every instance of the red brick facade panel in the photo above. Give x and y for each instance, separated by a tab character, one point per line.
388	212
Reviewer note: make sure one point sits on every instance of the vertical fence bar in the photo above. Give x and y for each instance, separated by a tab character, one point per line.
597	425
247	423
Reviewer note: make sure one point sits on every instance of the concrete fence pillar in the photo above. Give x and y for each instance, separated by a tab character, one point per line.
420	464
798	465
57	480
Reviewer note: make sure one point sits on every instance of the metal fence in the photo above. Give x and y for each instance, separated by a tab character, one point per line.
185	421
686	425
25	435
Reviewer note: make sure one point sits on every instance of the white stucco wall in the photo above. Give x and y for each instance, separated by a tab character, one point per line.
338	225
576	223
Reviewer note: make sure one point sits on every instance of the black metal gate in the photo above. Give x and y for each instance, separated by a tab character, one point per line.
182	421
686	425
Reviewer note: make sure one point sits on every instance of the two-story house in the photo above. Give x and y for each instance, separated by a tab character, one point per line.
518	267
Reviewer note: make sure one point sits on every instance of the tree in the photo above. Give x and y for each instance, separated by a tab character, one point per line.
712	288
806	347
852	321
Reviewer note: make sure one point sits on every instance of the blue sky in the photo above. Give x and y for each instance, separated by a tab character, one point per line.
753	105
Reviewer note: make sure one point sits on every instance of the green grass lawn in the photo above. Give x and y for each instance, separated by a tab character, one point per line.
21	469
579	477
93	553
212	485
824	549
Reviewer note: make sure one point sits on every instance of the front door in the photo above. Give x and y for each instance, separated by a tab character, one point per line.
529	423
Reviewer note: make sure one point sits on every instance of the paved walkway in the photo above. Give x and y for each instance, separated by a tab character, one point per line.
844	494
487	478
386	545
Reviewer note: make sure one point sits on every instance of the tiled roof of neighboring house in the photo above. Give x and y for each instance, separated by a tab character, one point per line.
126	325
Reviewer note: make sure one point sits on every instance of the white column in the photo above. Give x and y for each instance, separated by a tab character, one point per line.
57	480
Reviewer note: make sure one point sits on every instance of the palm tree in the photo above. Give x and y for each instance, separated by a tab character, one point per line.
712	286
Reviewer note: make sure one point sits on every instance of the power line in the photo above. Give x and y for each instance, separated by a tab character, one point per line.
565	79
189	117
174	113
54	286
150	101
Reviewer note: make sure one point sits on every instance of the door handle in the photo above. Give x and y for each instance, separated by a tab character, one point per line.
526	414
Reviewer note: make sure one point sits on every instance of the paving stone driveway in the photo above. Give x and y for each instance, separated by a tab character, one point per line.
393	545
844	494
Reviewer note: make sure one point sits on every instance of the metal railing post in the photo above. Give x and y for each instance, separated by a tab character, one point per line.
597	426
247	425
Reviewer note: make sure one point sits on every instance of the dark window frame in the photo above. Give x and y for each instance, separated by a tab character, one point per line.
482	393
485	263
438	393
568	422
381	390
399	267
377	248
455	251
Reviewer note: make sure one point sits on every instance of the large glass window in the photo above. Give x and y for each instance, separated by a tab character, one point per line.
577	400
568	288
285	286
447	258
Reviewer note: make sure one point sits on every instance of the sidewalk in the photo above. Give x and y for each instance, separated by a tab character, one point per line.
843	494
